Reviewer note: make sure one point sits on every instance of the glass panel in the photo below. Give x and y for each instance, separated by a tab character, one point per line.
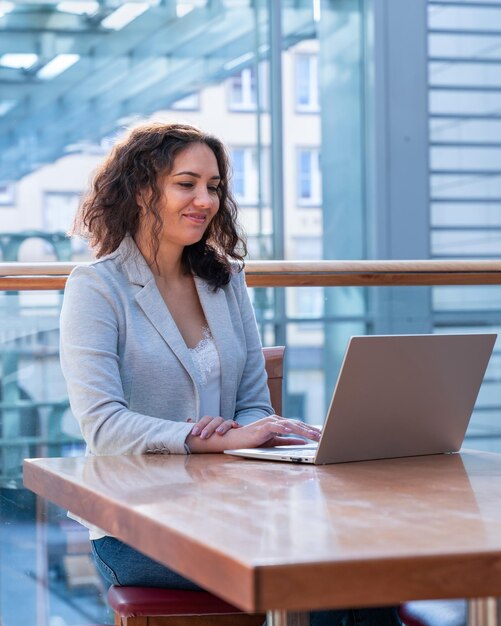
465	131
220	82
460	299
48	551
46	571
35	415
315	347
173	62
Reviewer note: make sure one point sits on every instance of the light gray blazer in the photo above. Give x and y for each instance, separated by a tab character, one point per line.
130	378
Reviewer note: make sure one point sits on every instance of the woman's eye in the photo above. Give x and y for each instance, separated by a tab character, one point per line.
186	185
213	189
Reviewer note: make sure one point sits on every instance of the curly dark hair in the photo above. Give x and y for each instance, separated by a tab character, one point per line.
110	210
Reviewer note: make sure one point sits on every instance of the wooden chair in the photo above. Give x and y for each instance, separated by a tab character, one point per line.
151	606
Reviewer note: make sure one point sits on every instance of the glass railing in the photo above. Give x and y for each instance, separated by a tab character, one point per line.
313	307
46	575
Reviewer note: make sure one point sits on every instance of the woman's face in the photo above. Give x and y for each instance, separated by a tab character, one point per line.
189	198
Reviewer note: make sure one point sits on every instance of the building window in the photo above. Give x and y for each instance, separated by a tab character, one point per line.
309	181
242	89
59	210
307	93
245	175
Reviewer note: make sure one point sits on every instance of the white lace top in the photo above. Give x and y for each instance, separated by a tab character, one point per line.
207	365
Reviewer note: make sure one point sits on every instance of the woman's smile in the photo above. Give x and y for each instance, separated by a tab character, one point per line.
196	218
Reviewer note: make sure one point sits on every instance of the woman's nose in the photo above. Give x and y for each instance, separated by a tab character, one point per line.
202	198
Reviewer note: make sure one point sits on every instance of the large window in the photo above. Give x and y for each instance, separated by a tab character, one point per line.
245	175
335	138
465	131
243	92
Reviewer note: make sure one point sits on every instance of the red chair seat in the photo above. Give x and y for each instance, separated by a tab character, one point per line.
408	618
154	601
139	601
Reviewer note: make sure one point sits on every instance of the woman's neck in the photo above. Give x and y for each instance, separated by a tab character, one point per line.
168	262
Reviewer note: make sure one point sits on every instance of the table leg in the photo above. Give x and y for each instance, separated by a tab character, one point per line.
287	618
484	612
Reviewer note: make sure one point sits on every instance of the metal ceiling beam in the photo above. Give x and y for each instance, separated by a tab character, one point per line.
45	19
33	43
14	90
87	104
11	75
139	77
93	76
98	56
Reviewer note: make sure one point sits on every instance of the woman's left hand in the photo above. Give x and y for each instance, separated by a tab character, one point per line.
208	425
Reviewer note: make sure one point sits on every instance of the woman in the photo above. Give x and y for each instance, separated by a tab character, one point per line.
159	344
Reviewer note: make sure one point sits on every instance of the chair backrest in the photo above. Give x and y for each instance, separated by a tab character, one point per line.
274	361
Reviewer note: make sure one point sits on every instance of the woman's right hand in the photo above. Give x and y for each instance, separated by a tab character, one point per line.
273	430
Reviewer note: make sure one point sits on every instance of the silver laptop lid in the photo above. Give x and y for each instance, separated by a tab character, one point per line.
404	395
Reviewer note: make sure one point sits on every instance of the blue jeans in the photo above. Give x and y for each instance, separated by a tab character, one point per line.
119	564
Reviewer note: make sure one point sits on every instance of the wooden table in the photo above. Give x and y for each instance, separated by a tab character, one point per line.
287	538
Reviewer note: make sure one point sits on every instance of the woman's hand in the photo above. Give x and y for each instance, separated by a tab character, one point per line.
271	431
208	425
268	431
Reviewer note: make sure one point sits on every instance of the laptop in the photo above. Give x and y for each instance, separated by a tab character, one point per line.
396	396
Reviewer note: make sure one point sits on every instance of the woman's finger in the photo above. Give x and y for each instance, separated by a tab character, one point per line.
201	424
279	428
310	431
226	426
210	428
295	427
298	427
